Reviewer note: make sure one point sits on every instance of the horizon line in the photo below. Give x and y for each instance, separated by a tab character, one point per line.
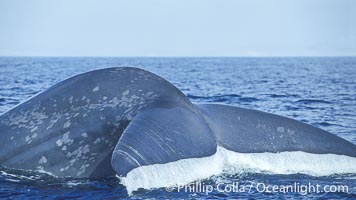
91	56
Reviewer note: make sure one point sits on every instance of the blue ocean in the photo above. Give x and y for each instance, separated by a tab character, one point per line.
320	91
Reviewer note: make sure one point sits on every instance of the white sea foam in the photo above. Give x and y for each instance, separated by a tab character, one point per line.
225	161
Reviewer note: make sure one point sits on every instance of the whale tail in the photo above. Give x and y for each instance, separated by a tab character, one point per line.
117	119
162	135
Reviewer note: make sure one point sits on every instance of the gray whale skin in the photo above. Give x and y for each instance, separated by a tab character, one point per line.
113	120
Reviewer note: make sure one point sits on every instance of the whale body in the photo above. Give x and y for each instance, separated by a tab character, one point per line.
115	120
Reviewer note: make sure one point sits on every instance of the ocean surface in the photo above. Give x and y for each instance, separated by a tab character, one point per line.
317	91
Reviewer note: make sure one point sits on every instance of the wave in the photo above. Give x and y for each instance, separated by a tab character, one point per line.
228	98
312	101
221	98
185	171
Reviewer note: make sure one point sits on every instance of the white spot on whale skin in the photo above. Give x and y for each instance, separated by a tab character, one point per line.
290	131
66	140
96	89
82	169
72	161
126	92
149	93
64	148
43	160
64	169
105	97
280	129
59	142
66	125
71	99
12	137
34	135
97	140
33	130
27	138
84	135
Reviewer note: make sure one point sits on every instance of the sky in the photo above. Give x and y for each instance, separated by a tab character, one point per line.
178	28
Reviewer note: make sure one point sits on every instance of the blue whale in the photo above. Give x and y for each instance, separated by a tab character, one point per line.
110	121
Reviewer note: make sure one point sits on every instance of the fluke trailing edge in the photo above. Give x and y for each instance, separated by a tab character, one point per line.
113	120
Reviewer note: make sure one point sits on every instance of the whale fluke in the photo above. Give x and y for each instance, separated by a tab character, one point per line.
162	135
115	120
251	131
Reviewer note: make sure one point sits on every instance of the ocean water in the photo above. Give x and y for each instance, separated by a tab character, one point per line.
317	91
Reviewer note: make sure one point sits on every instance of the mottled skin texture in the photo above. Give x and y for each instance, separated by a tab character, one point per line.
72	127
114	120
